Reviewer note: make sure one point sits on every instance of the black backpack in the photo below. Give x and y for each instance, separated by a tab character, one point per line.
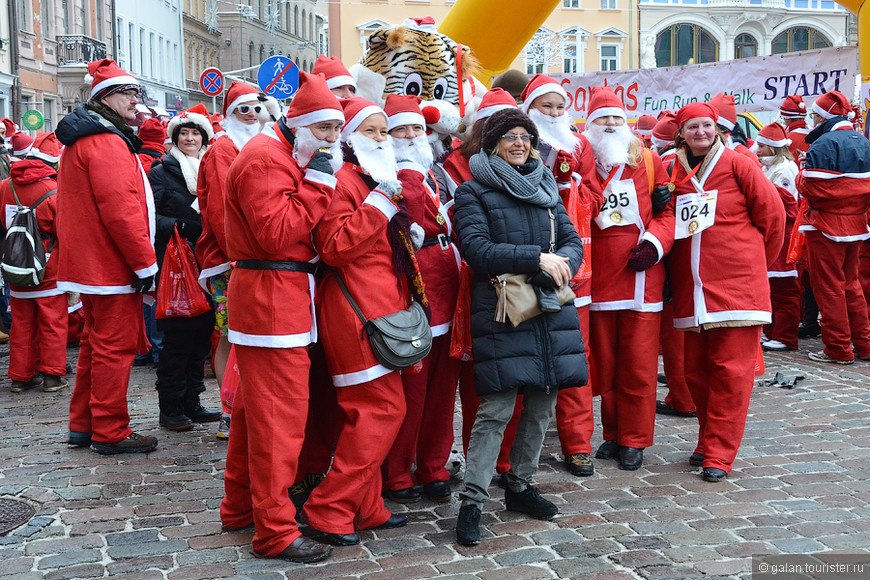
24	258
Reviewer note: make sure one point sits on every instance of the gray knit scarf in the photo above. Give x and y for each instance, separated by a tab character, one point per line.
537	187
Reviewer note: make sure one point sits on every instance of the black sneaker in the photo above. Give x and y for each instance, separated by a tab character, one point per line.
530	502
135	443
21	386
468	526
78	439
200	414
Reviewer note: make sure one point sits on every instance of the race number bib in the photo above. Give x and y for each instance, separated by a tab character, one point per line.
695	213
11	210
620	205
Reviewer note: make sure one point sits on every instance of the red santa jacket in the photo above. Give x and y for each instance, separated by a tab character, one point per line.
438	259
720	274
797	131
32	179
782	176
211	248
352	237
456	168
105	210
270	208
614	286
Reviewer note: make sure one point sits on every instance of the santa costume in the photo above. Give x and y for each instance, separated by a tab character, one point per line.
794	112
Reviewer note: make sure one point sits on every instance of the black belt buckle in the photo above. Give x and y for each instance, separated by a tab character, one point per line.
443	241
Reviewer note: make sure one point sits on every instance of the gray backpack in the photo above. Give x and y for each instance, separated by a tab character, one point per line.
23	258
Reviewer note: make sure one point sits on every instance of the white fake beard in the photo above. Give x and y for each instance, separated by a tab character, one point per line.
376	158
767	160
239	132
610	144
416	150
306	145
555	131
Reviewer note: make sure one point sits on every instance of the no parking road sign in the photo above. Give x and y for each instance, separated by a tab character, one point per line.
211	81
278	77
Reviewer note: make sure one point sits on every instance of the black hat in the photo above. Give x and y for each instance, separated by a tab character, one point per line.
503	121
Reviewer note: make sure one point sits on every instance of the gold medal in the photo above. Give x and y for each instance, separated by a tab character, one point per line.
615	216
565	167
693	226
440	219
671	187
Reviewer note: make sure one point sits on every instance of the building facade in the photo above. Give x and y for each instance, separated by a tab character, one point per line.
202	46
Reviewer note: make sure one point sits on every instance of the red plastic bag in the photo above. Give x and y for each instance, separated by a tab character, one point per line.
231	381
460	339
797	245
580	213
759	362
179	293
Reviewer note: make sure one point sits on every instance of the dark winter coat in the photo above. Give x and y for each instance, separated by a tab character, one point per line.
172	202
499	234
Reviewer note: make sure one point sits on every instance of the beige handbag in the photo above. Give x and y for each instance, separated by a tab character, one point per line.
517	301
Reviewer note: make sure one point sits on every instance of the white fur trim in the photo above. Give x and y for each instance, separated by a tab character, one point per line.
771	142
313	117
543	90
605	112
34	152
405	118
113	81
357	120
820	111
720	120
315	176
382	204
200	121
661	143
270	340
488	111
340	81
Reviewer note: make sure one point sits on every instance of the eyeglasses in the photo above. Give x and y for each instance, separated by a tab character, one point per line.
131	94
245	109
512	137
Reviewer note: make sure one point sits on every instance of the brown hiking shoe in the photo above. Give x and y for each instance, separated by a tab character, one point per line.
135	443
53	383
19	386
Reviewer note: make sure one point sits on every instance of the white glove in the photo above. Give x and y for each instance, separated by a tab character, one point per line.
389	188
417	236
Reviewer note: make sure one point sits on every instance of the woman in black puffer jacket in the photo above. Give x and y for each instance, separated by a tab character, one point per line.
186	341
503	224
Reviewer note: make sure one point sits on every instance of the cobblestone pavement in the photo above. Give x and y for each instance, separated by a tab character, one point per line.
799	485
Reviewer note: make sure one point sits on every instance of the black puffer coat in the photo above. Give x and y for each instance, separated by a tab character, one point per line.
499	234
172	203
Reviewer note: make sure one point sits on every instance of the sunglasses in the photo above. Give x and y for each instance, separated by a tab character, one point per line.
511	137
245	109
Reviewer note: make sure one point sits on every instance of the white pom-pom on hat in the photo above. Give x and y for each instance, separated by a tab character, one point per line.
88	78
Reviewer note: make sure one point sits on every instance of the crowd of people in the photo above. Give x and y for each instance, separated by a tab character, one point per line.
553	265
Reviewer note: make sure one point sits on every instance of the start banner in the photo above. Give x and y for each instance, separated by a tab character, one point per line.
758	84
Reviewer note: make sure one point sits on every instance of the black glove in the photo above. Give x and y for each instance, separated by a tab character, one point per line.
645	255
542	279
660	198
142	285
190	229
320	162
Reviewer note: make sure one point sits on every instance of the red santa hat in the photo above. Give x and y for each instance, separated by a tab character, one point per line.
356	110
695	110
645	124
197	115
106	78
216	125
493	101
773	135
11	127
334	70
724	105
425	24
239	93
313	103
152	133
539	86
403	110
603	103
45	147
793	107
21	144
665	129
833	104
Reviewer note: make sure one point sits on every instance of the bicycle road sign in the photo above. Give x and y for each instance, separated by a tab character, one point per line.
278	77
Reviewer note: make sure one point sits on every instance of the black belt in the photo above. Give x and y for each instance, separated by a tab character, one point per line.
286	265
439	240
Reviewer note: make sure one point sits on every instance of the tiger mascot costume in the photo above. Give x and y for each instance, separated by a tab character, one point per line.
415	59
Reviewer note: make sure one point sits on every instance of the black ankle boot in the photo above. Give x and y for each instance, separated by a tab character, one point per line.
194	409
173	418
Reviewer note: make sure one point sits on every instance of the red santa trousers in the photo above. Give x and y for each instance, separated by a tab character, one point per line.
864	268
266	434
625	347
99	400
575	421
324	418
833	270
37	340
678	396
785	300
426	434
720	370
349	497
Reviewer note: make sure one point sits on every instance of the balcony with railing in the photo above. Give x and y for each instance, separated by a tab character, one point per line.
78	49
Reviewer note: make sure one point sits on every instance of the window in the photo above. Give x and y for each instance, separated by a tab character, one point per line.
685	44
745	46
48	113
152	71
251	53
98	33
130	54
798	38
608	5
22	6
65	13
83	14
569	60
534	68
609	57
304	32
571	3
141	51
43	15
